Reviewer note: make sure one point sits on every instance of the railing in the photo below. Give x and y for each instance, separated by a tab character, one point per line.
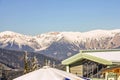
96	79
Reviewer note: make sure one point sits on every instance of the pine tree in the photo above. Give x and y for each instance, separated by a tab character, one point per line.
34	64
53	65
26	63
49	63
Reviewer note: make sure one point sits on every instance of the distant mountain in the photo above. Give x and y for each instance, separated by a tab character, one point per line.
61	45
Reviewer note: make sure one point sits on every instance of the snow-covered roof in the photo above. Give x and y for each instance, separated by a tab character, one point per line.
113	56
48	73
103	57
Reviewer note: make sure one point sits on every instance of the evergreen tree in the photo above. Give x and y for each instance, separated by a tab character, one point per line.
46	62
49	63
26	63
53	65
34	64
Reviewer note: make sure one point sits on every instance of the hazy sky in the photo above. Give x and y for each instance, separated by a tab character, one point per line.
41	16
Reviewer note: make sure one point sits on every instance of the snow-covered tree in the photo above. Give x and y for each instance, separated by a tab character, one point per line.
26	63
34	64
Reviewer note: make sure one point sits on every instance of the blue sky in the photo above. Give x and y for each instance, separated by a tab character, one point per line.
41	16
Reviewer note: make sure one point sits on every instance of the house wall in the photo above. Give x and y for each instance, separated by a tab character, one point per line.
86	68
78	70
111	76
119	77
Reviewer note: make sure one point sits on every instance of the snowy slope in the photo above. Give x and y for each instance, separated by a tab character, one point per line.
13	40
55	43
95	34
43	41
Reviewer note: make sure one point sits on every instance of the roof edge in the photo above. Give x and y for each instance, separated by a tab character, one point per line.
99	50
81	56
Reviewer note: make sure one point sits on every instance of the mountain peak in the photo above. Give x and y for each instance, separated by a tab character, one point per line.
8	33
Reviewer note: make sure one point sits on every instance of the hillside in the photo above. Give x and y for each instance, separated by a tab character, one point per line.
15	59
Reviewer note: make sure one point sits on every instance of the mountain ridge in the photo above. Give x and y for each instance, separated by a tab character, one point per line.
61	44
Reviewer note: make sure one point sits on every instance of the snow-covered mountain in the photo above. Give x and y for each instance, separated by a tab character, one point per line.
61	44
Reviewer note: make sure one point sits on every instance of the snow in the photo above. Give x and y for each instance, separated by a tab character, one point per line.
48	73
43	41
10	33
113	56
16	38
95	34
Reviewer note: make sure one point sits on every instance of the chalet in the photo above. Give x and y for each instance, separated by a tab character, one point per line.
112	73
92	63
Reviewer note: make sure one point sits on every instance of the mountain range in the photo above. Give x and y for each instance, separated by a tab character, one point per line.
61	45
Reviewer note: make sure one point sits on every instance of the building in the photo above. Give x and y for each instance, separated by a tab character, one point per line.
112	73
92	63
